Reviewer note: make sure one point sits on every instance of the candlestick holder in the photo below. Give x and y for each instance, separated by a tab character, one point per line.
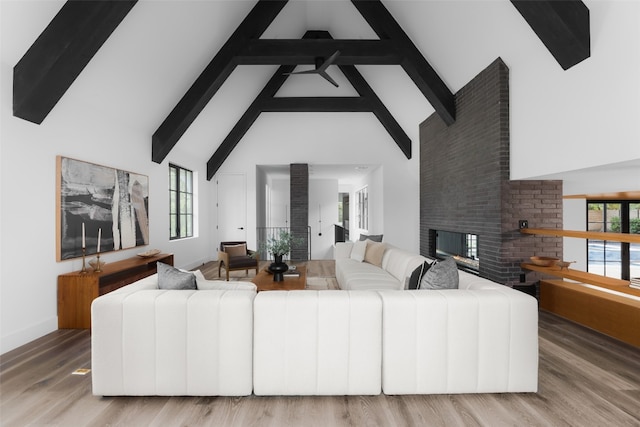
96	264
98	267
84	265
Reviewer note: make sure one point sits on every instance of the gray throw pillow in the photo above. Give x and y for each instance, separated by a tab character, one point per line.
441	275
374	237
172	278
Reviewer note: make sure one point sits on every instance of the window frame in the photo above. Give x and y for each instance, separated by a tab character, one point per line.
184	200
625	227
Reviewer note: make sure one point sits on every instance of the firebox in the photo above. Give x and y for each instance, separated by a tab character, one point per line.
462	247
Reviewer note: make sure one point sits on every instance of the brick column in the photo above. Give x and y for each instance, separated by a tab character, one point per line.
299	194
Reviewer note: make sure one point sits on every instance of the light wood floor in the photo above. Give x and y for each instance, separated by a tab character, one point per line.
586	379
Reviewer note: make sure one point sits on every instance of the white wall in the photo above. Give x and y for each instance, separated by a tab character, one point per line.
280	206
323	214
560	120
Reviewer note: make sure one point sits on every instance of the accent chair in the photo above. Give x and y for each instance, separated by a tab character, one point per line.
235	256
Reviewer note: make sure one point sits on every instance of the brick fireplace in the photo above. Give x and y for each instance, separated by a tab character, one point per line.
465	185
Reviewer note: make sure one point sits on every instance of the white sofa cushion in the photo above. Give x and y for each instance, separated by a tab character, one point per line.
358	251
353	275
317	343
172	342
480	340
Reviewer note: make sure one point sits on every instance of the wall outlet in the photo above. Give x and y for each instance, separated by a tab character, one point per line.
523	223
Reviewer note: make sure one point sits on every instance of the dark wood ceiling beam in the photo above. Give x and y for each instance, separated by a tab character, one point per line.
368	101
378	108
304	51
61	52
212	78
415	65
562	25
231	140
337	104
246	121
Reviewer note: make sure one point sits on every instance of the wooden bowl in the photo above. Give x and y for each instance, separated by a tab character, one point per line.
544	261
564	264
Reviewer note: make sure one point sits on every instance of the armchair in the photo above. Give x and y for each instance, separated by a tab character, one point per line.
235	256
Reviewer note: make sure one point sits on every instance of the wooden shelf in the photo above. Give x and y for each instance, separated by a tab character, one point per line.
77	290
588	299
623	195
611	237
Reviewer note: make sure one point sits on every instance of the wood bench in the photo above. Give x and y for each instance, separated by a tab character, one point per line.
605	309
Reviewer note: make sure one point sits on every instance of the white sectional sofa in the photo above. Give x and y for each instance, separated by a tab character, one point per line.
480	338
352	272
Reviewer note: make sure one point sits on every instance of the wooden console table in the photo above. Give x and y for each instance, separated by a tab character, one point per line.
77	290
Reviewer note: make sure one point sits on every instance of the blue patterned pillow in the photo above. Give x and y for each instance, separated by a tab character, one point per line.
441	275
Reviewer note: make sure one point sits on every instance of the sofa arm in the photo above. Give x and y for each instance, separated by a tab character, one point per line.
342	250
172	343
459	341
223	257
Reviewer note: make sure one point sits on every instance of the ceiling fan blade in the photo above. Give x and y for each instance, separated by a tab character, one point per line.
330	60
328	78
302	72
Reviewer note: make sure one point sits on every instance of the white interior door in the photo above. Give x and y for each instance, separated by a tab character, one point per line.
232	207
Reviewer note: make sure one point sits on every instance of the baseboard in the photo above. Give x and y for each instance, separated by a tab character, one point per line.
24	336
198	263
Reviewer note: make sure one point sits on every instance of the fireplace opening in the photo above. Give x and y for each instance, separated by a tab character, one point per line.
462	247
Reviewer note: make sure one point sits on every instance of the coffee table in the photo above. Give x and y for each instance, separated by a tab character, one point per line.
264	280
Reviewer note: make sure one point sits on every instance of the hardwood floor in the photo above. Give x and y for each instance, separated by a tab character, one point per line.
586	379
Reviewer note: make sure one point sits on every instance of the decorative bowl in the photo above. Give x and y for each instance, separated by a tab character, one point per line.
564	264
544	261
149	253
94	264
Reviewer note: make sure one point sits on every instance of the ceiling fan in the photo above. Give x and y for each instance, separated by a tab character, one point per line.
321	68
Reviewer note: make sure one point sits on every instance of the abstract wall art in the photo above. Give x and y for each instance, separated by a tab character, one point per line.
99	207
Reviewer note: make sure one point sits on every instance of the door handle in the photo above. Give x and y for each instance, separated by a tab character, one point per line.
240	228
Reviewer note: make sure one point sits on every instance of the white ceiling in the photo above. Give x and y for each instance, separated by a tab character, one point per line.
161	47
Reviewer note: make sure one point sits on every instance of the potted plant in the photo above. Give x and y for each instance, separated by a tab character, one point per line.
279	246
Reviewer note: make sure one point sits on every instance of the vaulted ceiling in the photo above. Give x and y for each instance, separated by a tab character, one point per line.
77	32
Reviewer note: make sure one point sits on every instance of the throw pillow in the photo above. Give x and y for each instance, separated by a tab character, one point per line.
441	275
358	251
374	237
417	274
172	278
373	253
236	250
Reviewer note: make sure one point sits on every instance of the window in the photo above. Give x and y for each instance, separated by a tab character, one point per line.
613	259
362	196
180	202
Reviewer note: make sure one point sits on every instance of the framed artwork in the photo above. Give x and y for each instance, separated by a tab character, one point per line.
99	207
